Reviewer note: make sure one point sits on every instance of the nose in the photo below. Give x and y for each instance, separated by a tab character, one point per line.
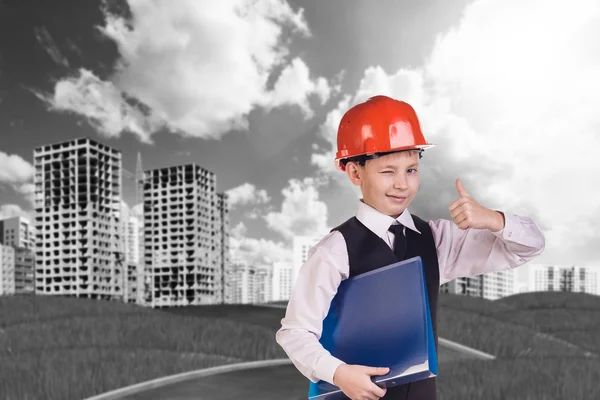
400	183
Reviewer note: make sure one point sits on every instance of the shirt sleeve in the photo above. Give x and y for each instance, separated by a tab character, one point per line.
472	252
316	285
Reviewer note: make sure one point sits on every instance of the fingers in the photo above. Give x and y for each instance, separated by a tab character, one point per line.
376	370
369	396
461	189
459	202
374	389
377	391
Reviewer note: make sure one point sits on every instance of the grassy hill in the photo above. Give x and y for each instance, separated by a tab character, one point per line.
66	348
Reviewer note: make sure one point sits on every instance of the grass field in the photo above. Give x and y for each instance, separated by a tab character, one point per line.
66	348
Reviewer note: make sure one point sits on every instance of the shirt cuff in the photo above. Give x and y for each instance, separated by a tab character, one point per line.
511	227
326	367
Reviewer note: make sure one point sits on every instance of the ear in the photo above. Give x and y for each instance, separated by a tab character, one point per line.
354	172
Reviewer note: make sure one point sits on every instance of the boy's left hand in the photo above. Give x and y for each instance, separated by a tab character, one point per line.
467	213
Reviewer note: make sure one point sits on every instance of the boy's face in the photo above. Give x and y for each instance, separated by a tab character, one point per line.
388	183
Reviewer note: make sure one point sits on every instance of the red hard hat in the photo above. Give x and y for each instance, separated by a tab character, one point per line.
379	125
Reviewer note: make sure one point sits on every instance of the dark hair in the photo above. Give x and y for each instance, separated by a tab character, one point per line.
362	160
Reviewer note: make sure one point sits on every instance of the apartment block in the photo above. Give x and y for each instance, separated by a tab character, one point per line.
492	286
24	271
7	270
183	237
282	281
77	224
263	284
497	285
472	286
16	232
244	283
563	278
301	248
131	229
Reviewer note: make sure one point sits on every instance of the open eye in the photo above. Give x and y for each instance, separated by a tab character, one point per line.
412	170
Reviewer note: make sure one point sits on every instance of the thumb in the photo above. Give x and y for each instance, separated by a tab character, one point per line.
377	370
461	189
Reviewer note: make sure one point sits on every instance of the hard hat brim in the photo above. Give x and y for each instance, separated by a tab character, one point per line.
341	167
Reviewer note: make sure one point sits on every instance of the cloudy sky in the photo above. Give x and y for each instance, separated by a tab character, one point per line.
253	90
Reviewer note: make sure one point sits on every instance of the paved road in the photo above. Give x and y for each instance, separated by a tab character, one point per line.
267	383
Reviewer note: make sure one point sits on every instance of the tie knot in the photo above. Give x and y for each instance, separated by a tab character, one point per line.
396	229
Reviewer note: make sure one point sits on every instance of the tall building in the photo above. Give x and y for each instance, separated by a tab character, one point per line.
472	286
77	224
130	247
491	286
16	232
223	225
130	234
7	270
301	247
563	278
244	283
498	284
183	237
282	281
264	284
251	284
24	271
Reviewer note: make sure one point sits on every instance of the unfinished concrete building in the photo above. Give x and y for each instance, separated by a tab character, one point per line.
184	237
77	204
223	225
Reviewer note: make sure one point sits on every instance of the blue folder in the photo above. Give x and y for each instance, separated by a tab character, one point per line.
381	319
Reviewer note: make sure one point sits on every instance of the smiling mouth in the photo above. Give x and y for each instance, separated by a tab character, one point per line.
397	198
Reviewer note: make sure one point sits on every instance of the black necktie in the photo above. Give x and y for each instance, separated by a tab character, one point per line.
399	241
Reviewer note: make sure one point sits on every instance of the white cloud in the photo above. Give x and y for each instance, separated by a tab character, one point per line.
256	252
198	68
294	86
28	191
102	104
302	213
510	96
14	210
14	169
247	194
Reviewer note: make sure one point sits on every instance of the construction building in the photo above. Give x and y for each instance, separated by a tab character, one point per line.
77	224
225	261
185	237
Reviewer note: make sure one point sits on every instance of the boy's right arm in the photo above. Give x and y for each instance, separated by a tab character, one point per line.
315	287
301	328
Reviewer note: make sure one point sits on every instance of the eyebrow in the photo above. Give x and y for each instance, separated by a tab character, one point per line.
394	167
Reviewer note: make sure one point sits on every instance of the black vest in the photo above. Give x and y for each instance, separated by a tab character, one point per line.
367	251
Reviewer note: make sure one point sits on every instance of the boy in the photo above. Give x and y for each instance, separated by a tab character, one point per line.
379	146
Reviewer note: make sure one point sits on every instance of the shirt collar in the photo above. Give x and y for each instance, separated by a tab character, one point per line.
378	222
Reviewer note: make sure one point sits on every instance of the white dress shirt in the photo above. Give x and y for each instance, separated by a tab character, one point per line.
461	253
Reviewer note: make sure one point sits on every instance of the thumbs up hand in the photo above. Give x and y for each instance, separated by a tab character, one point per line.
467	213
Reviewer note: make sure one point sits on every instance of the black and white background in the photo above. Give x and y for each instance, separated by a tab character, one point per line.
253	90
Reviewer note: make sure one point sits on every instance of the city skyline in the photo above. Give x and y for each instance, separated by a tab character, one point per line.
269	134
